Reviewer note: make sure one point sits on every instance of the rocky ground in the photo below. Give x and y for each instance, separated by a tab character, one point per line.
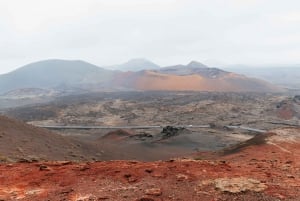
209	164
165	108
23	142
265	168
256	110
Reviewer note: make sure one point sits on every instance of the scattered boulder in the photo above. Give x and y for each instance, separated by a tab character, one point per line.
181	177
153	191
239	184
44	168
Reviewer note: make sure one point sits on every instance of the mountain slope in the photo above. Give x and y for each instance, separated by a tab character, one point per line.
23	141
53	73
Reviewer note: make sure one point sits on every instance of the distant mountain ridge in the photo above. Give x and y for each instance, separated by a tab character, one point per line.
287	76
79	75
135	65
193	67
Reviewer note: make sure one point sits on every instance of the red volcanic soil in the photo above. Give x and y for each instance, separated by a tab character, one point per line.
152	80
264	168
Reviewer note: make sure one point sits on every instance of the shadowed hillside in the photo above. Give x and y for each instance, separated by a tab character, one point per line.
20	141
54	74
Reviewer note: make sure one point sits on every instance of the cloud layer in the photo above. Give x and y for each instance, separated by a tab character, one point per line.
165	31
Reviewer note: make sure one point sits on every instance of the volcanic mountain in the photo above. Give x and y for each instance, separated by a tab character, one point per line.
192	77
78	76
54	74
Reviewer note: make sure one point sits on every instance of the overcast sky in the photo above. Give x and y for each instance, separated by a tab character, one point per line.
104	32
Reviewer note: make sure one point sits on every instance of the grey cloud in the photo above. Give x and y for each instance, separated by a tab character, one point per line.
167	31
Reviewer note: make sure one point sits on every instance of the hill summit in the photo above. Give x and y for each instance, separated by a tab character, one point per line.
196	64
135	65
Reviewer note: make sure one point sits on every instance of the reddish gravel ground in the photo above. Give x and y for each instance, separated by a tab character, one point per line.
266	170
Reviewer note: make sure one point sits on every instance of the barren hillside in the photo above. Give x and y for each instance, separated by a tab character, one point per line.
20	141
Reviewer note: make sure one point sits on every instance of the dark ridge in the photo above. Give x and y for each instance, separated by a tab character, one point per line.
118	134
257	140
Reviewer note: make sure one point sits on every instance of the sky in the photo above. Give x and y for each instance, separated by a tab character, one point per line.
167	32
